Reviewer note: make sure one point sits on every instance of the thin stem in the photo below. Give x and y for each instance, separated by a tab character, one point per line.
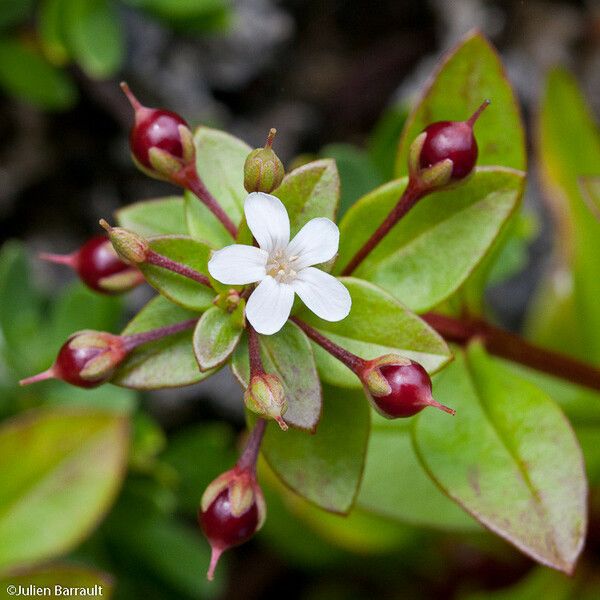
353	362
60	259
411	195
256	365
247	460
137	339
189	179
154	258
271	137
512	347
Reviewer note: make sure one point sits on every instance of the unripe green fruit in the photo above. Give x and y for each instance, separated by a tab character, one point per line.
263	171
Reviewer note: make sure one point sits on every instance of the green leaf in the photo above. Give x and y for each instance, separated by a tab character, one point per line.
51	20
180	9
395	486
357	173
509	457
288	355
431	252
537	584
28	76
63	574
220	159
172	552
590	186
216	443
377	324
66	480
383	141
359	531
94	35
569	147
310	191
216	337
160	216
470	74
20	317
332	459
14	12
78	308
179	289
168	362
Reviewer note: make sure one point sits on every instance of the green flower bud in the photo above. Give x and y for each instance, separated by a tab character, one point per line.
265	396
131	247
263	171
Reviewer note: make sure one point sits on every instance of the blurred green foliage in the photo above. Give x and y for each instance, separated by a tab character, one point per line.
41	39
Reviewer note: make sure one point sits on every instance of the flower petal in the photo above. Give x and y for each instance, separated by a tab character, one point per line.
327	297
317	242
269	305
268	221
238	264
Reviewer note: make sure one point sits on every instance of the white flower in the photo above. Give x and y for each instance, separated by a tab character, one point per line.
282	267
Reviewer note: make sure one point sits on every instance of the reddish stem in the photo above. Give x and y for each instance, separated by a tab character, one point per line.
512	347
473	118
154	258
256	365
60	259
353	362
137	339
247	460
188	178
411	195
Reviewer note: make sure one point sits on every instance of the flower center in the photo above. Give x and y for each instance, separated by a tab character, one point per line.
282	267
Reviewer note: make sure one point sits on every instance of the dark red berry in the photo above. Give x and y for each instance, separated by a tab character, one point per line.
232	510
154	128
158	129
87	359
452	140
222	528
71	361
95	263
410	391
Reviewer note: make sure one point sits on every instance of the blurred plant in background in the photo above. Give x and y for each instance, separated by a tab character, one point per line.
40	39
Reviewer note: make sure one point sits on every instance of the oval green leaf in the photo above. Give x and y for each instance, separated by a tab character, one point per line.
179	289
216	337
509	457
59	473
377	324
471	73
326	467
28	76
94	36
395	486
220	159
160	216
430	253
168	362
312	190
287	354
569	148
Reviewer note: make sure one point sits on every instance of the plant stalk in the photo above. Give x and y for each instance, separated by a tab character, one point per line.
353	362
249	456
189	179
154	258
137	339
411	195
508	345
